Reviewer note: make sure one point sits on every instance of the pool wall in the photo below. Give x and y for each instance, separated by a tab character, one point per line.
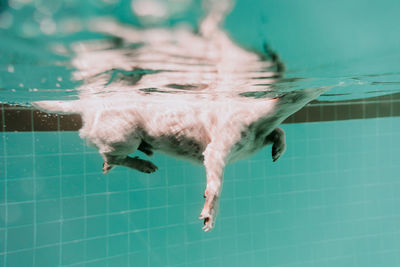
331	200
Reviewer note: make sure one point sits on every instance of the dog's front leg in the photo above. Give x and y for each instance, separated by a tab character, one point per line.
214	162
278	140
134	163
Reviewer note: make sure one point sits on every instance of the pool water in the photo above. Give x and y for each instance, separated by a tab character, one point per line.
331	200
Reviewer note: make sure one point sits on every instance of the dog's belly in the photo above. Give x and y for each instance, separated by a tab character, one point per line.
178	146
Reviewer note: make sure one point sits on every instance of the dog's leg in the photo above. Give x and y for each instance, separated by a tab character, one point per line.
119	156
214	161
278	140
139	164
126	161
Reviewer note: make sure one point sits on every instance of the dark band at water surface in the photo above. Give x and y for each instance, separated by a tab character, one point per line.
23	119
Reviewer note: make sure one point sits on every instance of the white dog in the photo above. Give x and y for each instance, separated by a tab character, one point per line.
209	131
188	95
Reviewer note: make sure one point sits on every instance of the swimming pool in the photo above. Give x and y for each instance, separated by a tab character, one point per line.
331	200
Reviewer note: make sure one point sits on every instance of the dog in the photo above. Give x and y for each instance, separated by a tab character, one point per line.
197	96
213	132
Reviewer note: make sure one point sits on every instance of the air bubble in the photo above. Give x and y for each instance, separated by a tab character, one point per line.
10	68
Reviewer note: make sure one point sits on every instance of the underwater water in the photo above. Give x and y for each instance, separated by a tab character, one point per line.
331	200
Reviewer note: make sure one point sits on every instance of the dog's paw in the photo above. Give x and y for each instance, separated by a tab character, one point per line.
145	166
277	150
107	167
209	220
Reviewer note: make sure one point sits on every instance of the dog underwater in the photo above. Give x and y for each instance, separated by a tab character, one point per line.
193	95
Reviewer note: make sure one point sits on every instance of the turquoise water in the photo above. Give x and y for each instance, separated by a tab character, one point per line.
331	200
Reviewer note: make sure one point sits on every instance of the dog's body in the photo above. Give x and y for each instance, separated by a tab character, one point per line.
212	131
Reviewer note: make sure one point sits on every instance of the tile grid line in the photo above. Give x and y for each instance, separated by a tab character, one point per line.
84	200
328	188
5	193
61	219
245	234
34	191
233	216
129	222
167	213
108	217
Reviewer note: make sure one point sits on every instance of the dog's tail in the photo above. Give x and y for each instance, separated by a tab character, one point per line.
59	107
